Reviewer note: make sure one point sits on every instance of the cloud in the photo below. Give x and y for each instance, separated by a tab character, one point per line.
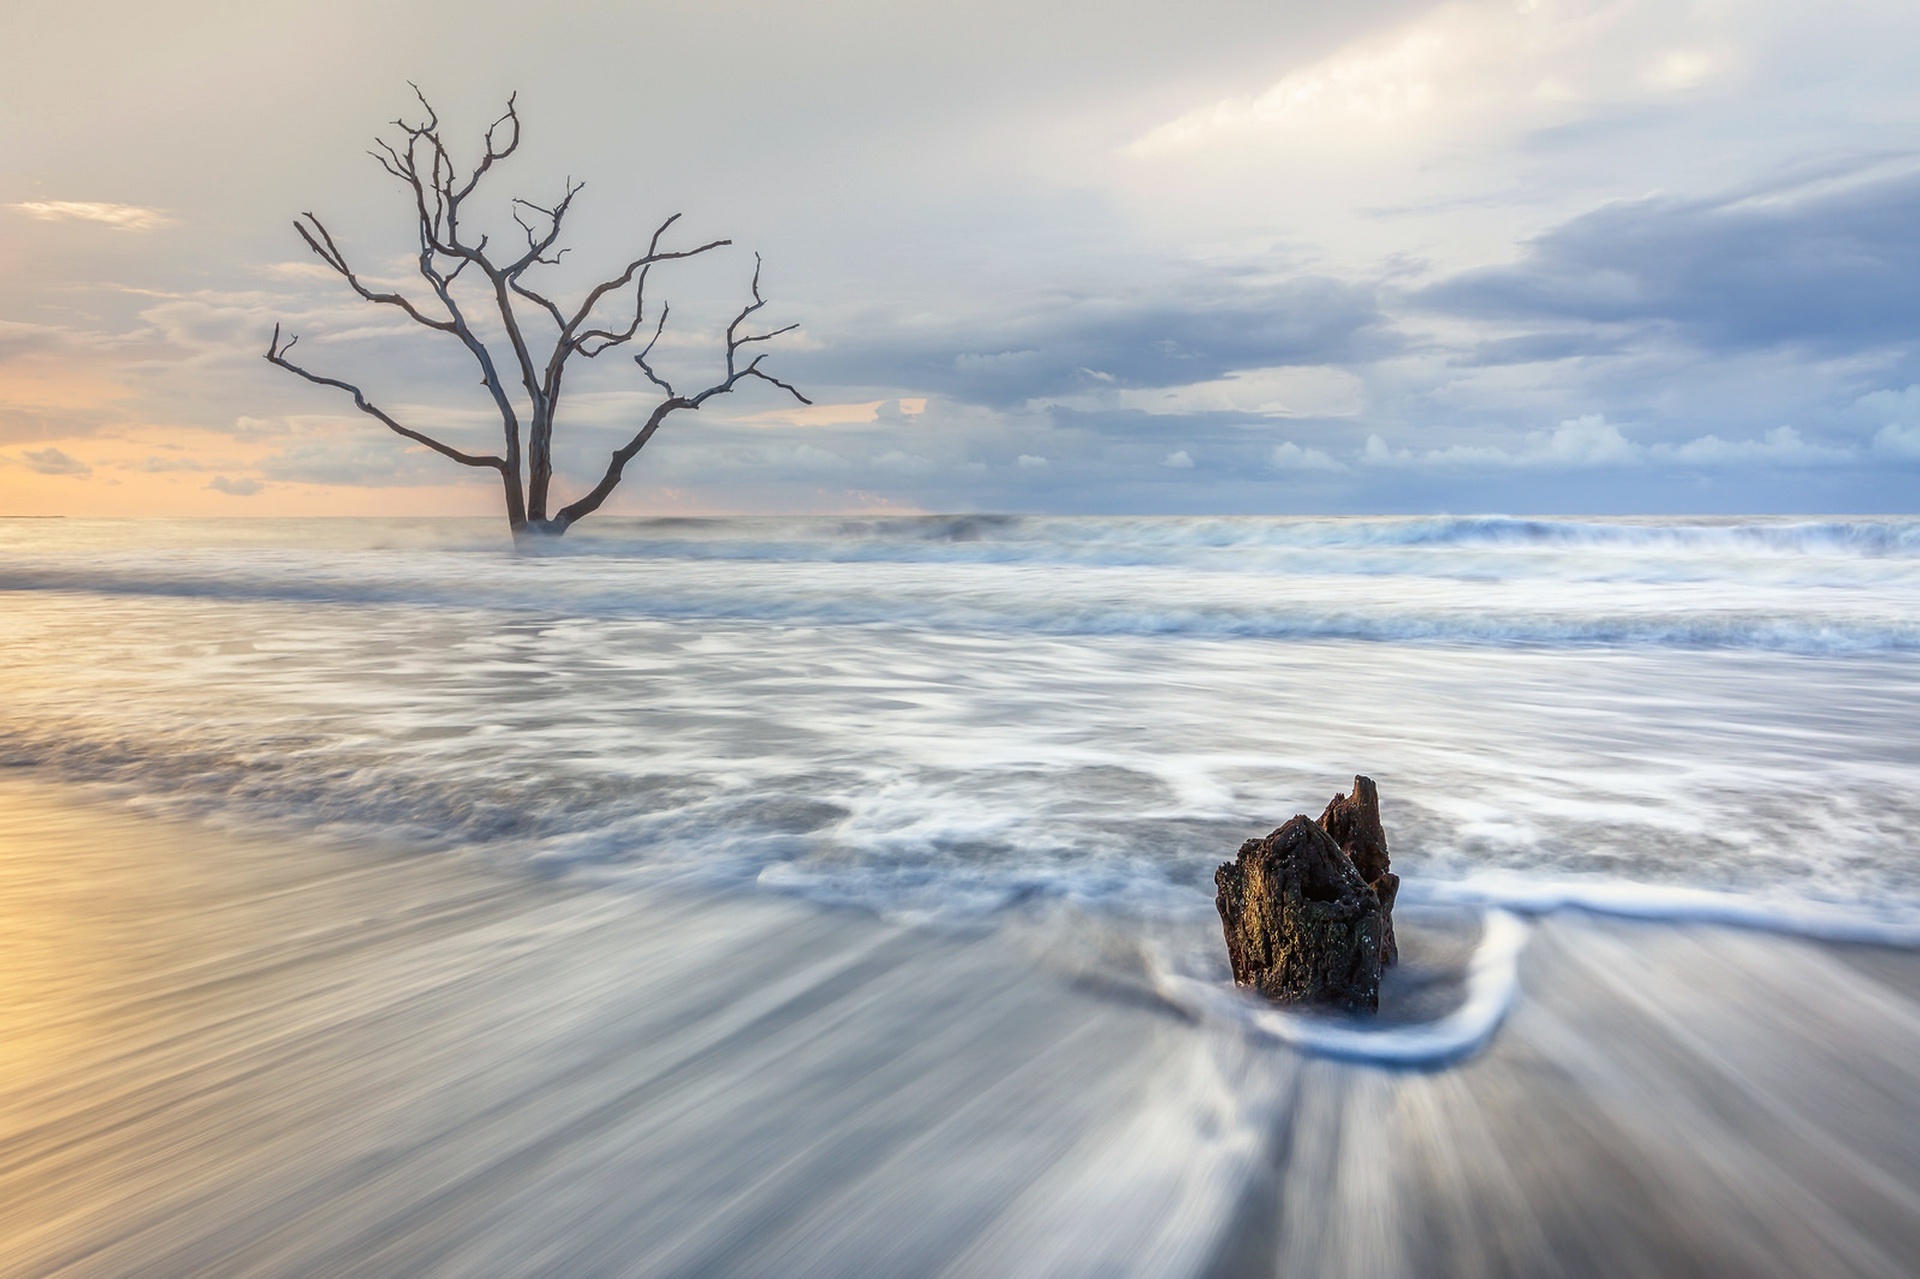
1897	441
160	465
52	461
1030	462
1780	446
359	458
1584	441
1313	391
1898	412
17	339
904	463
1825	264
1889	405
884	413
1289	456
121	217
242	487
1592	442
1372	87
1488	71
1198	329
1178	461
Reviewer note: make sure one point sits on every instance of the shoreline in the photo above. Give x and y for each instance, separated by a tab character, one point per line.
225	1055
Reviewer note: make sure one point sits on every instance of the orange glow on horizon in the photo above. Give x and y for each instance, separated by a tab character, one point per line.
129	477
150	469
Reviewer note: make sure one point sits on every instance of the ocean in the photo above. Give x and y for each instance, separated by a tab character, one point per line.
1647	781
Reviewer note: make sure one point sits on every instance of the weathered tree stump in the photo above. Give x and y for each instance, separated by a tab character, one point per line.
1307	911
1354	822
1302	927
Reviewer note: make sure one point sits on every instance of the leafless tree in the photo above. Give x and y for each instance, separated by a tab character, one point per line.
419	158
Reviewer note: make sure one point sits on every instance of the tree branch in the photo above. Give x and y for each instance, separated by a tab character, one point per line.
641	359
512	116
609	339
489	374
652	255
537	247
617	464
735	341
540	301
277	354
329	252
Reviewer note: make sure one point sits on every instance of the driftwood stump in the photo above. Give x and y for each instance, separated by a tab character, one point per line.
1354	822
1307	911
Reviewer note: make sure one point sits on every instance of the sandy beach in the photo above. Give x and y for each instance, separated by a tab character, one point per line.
228	1055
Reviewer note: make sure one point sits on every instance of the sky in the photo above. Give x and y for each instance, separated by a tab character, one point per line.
1114	256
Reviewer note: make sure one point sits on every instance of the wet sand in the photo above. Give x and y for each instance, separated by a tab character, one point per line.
228	1055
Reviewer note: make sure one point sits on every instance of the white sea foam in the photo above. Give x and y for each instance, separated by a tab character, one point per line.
949	717
1816	587
1896	924
1491	983
1139	540
1491	980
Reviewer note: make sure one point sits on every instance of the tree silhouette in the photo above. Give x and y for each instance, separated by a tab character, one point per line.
420	159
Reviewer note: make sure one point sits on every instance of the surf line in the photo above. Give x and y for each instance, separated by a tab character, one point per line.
1817	921
1492	980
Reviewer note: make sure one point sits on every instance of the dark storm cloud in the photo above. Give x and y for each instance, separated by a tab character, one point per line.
1830	270
1069	345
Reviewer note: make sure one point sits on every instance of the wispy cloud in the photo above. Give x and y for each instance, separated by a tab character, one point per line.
121	217
163	465
52	461
1482	65
242	487
1593	442
1309	391
1288	456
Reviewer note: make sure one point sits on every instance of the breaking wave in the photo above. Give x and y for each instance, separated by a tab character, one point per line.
1491	981
1832	587
1193	540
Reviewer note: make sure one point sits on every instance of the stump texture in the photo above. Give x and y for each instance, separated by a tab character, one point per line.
1354	822
1307	911
1302	927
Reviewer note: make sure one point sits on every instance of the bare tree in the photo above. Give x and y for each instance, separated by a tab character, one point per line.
420	159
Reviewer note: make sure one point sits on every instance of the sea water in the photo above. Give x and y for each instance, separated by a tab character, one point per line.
946	718
781	896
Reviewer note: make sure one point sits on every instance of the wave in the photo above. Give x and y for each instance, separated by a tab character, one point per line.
1492	983
1872	538
1847	922
1158	608
1173	539
1811	636
1230	541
